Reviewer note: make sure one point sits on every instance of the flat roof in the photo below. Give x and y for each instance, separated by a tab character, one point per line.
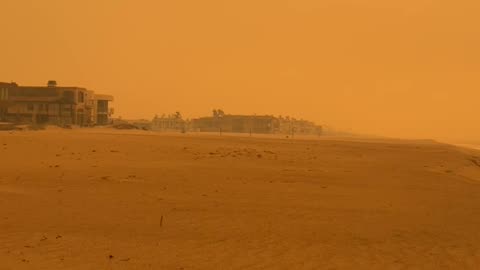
103	97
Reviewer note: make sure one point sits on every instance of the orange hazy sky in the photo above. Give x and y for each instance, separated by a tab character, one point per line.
398	68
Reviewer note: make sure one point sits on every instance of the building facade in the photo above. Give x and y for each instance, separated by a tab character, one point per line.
236	123
262	124
52	104
171	122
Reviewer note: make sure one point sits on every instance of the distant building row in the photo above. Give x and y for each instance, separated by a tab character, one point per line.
52	104
221	122
263	124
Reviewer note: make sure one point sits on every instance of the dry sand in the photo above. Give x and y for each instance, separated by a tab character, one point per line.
104	199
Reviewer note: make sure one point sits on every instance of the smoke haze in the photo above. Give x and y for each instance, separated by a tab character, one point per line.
397	68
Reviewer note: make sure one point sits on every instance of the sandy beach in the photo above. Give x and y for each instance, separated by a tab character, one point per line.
107	199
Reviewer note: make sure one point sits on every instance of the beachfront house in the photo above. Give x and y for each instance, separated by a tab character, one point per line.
53	104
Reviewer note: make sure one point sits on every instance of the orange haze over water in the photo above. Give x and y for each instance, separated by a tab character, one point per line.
397	68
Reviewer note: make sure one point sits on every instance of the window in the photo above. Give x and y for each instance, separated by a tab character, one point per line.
102	106
3	93
81	97
30	107
69	96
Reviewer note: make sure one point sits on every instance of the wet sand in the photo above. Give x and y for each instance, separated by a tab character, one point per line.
106	199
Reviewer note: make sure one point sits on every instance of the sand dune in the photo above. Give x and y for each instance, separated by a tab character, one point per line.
104	199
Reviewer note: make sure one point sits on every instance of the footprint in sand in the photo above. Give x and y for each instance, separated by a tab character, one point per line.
475	161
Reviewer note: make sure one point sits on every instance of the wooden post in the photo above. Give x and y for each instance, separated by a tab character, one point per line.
251	124
59	120
34	114
48	112
72	114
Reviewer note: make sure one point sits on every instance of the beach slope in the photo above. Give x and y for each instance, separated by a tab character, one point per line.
90	199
